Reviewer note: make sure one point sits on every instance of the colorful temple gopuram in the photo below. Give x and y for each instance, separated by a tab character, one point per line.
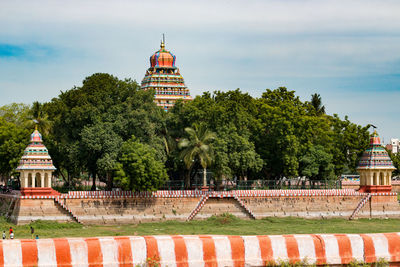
36	168
164	77
375	168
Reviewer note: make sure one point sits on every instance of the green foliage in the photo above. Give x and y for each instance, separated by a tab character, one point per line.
225	218
196	147
395	157
235	155
316	103
15	113
138	168
38	117
96	118
270	137
217	225
283	117
13	140
317	164
349	142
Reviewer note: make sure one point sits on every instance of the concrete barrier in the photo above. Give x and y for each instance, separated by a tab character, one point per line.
202	250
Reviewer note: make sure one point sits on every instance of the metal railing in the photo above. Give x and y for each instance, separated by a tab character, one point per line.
255	184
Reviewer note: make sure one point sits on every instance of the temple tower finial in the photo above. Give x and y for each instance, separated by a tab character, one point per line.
163	41
36	124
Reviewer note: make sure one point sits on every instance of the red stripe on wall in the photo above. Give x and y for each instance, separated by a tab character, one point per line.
209	254
63	253
95	256
266	249
394	246
124	251
237	249
319	245
292	249
29	252
1	254
369	249
153	256
345	250
181	254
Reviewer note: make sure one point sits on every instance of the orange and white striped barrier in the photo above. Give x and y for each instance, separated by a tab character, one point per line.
202	250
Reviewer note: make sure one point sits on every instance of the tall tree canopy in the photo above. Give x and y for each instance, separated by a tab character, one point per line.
138	168
13	140
97	117
197	147
89	129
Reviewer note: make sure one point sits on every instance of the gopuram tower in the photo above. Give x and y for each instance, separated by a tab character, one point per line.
36	168
164	77
375	168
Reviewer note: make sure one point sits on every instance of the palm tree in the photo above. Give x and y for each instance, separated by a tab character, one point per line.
39	118
316	102
197	147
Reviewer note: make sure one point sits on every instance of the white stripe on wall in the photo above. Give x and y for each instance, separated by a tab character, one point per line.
46	252
194	247
109	249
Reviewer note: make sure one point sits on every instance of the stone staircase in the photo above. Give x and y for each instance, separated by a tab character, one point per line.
62	205
199	206
11	208
245	207
204	198
360	206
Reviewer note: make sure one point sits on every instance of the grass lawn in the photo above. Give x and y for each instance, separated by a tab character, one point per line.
222	225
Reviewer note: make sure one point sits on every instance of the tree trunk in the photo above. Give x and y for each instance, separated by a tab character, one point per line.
94	182
109	181
204	177
69	180
187	180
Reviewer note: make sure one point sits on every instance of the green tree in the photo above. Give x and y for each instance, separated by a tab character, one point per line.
234	155
279	142
100	145
349	142
16	113
138	168
316	103
197	147
290	128
13	140
395	157
316	164
38	117
217	112
103	101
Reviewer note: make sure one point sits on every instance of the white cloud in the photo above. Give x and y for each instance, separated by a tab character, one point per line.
219	44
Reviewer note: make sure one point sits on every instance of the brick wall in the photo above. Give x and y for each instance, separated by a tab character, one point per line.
107	208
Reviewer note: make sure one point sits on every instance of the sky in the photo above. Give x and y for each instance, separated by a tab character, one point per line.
346	51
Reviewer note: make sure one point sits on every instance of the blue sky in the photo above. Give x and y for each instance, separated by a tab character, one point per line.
347	51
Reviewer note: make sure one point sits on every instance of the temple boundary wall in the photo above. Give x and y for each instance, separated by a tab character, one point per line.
203	250
121	207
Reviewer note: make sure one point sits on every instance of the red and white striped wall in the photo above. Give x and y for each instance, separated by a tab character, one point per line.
202	250
196	194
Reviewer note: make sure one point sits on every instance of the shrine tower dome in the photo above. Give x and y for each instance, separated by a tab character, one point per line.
165	79
162	58
36	168
375	168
